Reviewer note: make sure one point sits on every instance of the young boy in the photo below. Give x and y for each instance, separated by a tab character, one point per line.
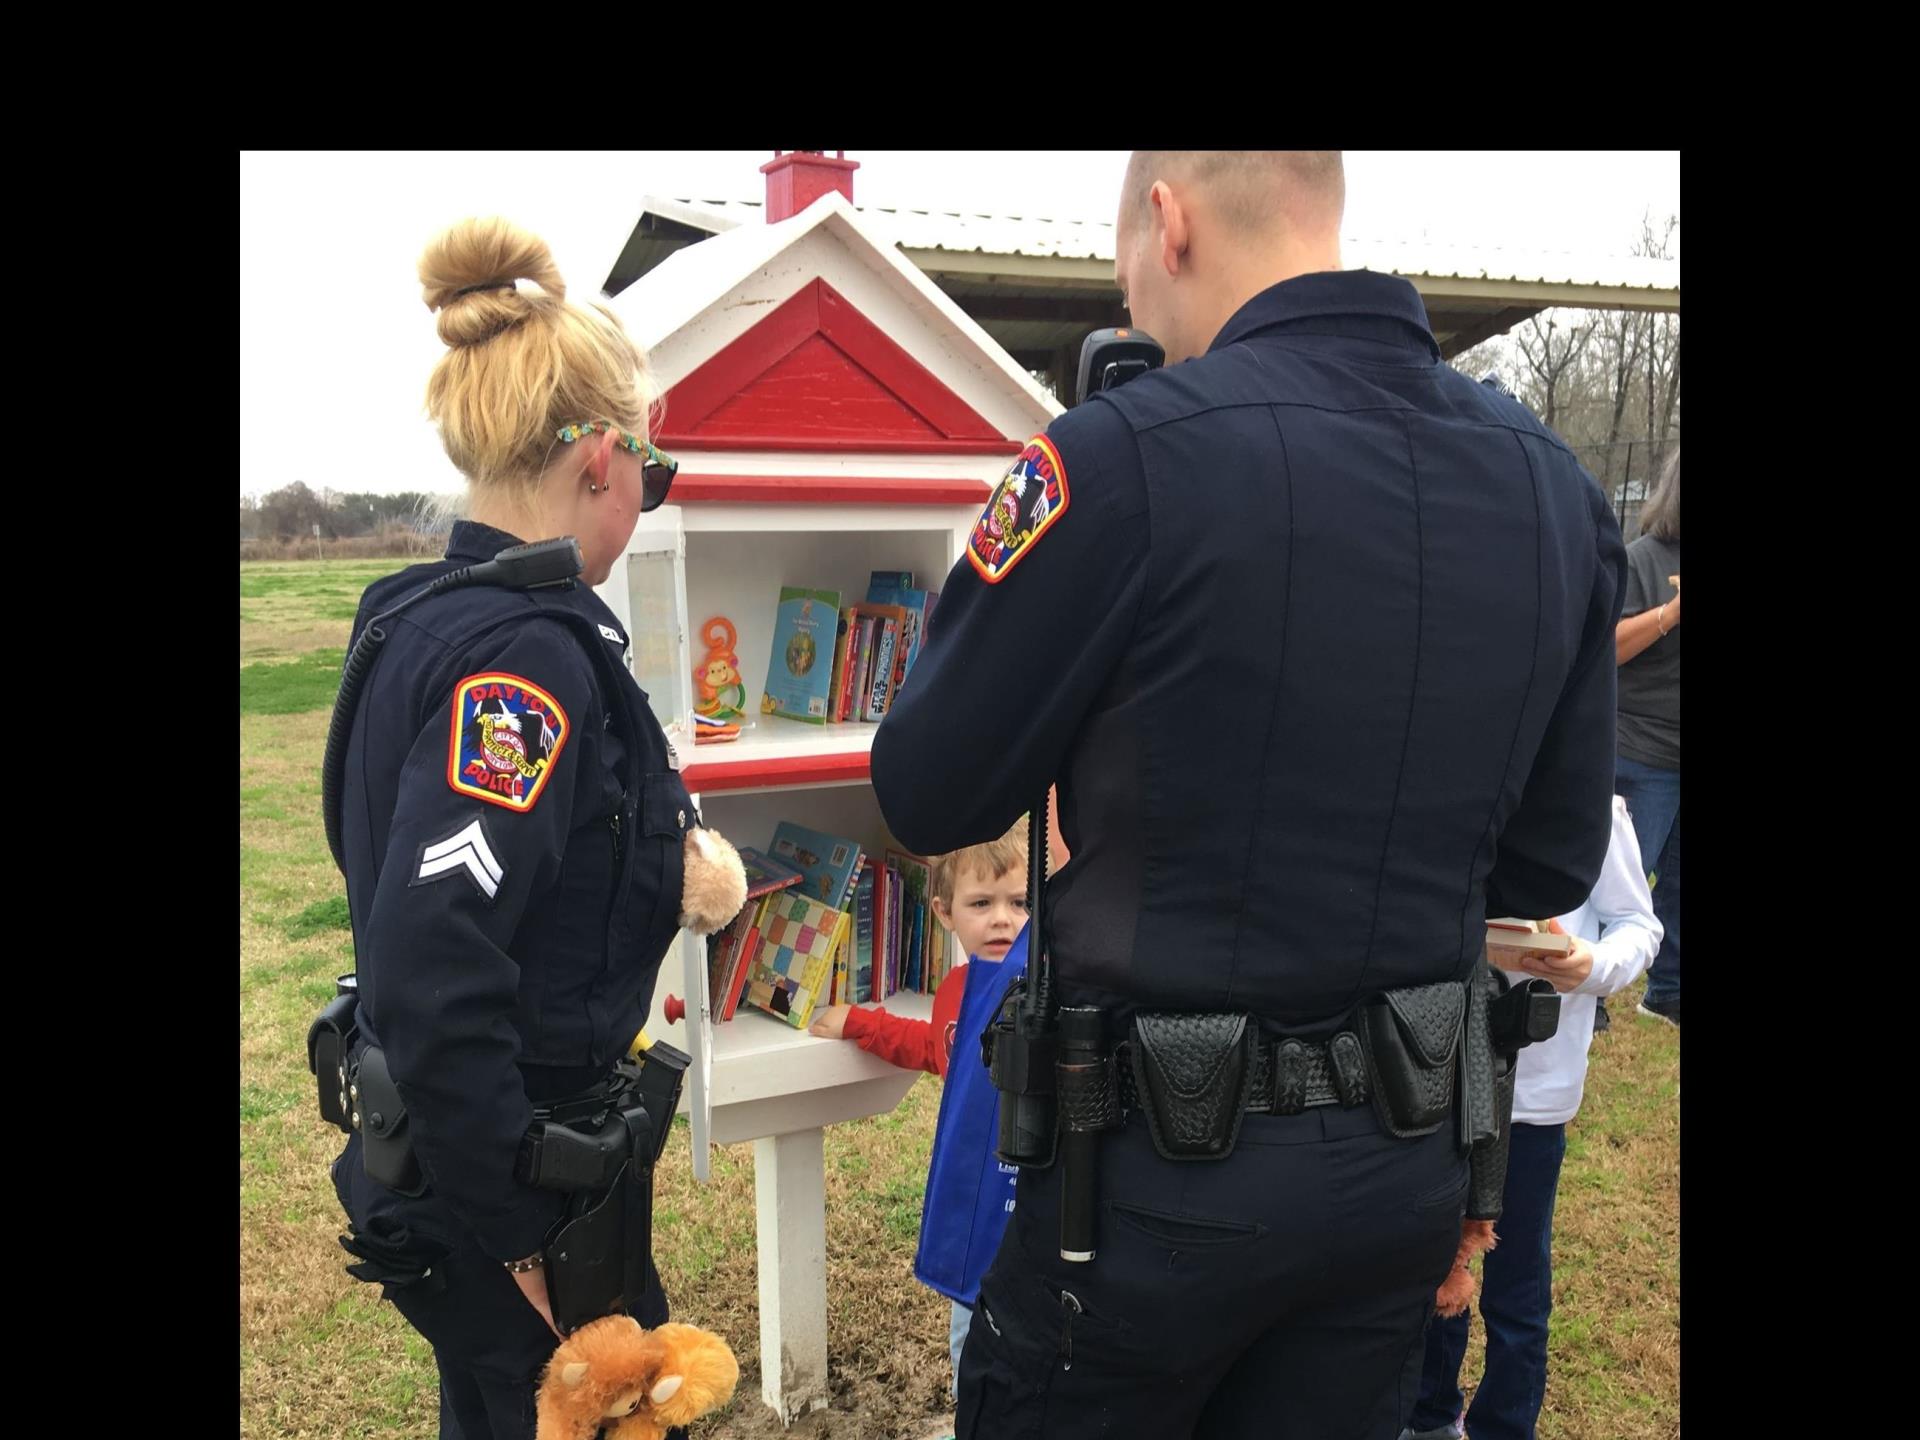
980	896
1615	937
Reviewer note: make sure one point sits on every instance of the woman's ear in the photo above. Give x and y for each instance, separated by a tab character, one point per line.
600	460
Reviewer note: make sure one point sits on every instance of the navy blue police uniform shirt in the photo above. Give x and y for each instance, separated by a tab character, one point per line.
1316	636
513	858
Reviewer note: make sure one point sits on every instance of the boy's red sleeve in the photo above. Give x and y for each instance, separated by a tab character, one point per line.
912	1044
897	1039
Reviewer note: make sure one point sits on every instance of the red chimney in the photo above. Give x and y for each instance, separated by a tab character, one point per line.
797	178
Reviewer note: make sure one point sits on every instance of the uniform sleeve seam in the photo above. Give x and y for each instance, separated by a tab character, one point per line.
442	682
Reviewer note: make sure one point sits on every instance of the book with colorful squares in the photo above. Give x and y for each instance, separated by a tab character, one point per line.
800	941
882	939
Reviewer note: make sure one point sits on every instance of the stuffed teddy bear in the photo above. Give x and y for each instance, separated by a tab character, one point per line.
638	1383
714	887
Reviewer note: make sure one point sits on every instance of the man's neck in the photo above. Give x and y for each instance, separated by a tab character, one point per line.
1261	274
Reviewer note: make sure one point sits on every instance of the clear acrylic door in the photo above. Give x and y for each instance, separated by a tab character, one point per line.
648	591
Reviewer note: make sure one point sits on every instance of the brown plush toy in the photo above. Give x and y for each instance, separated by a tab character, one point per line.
637	1383
715	883
1476	1238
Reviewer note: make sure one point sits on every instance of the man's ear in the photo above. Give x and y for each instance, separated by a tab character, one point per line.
1173	227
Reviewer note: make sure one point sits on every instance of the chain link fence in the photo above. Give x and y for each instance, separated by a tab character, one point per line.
1627	470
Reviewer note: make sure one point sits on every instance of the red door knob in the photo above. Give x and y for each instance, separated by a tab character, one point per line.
675	1009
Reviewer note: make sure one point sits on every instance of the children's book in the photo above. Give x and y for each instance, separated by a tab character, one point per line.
801	666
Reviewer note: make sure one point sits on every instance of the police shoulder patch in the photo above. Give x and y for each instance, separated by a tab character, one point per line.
507	734
1029	499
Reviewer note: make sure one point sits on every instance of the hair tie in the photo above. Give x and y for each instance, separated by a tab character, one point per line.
490	285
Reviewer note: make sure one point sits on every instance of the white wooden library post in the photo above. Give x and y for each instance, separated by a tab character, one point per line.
790	1190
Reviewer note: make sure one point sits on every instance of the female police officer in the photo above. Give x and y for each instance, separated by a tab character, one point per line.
509	826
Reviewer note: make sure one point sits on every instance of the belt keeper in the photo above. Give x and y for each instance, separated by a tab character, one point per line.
1349	1068
1289	1078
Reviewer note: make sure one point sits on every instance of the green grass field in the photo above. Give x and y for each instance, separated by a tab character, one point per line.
321	1357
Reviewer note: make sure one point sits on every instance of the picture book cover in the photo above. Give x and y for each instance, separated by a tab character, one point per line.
801	665
799	941
828	861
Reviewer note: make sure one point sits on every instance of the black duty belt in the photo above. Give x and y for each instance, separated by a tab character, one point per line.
1288	1076
594	1102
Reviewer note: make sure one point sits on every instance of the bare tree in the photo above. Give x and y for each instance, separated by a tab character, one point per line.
1550	358
1672	400
1623	336
1663	345
1585	372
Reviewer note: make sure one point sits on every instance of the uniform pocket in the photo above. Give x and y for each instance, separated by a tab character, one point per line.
1009	1357
1047	1350
1185	1232
1450	1193
664	815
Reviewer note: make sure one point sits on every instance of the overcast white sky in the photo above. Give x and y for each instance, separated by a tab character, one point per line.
335	345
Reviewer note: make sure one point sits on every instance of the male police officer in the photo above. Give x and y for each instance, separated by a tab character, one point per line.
1315	635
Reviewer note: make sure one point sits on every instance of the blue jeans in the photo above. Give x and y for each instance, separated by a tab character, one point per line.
1653	799
1516	1296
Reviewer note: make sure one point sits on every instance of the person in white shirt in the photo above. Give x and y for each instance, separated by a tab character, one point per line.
1615	937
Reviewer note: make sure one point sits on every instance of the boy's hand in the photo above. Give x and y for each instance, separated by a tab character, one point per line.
830	1023
1564	972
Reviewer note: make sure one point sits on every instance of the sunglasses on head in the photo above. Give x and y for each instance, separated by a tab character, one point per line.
656	477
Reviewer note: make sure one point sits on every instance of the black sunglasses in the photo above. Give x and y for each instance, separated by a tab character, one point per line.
656	478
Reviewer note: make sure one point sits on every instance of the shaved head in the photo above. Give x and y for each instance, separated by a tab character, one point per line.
1201	232
1253	191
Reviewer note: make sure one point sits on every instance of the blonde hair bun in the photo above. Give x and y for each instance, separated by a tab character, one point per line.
467	274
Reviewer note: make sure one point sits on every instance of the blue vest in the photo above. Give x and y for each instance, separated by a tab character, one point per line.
969	1192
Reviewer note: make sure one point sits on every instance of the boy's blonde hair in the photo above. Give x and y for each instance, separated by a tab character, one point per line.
993	859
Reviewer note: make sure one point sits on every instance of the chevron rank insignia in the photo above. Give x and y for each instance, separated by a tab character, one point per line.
507	735
465	852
